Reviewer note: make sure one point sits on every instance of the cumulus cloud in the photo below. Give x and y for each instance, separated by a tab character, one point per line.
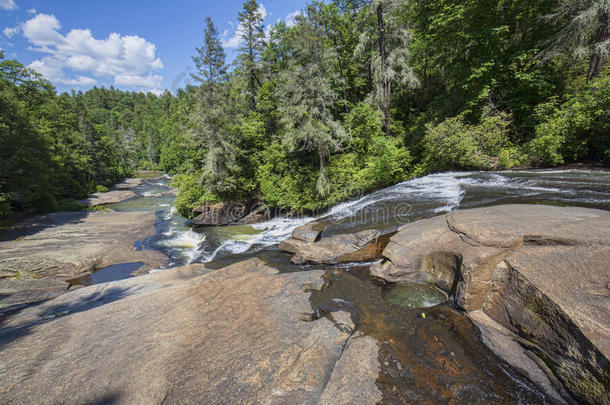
291	18
8	5
10	32
233	41
128	60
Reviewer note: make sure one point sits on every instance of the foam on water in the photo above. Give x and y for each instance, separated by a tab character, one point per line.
271	233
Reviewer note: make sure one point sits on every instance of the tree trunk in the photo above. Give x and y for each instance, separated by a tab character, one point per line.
597	59
384	75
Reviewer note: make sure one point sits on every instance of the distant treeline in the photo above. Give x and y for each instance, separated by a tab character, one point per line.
354	96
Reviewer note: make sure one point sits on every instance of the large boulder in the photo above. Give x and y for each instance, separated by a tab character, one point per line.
539	271
258	214
342	248
310	232
222	213
242	334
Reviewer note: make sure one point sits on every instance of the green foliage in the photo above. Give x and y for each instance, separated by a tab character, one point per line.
101	189
578	129
191	193
286	179
455	145
296	121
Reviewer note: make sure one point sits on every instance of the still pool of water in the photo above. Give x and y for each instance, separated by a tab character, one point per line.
415	295
112	273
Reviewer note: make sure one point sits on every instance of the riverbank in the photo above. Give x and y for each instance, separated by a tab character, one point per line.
251	333
533	278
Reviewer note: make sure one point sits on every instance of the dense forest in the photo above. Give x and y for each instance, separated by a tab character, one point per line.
354	96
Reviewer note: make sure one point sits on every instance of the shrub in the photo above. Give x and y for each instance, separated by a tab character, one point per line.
191	193
577	129
454	145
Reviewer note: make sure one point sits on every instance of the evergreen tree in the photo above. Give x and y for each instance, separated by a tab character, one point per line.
583	32
390	64
210	59
308	98
210	131
253	44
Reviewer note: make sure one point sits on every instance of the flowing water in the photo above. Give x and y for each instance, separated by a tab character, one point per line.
429	352
397	205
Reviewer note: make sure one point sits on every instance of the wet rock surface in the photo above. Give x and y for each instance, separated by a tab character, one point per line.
242	334
230	212
540	271
431	355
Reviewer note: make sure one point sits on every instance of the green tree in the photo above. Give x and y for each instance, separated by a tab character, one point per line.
210	59
390	64
308	98
584	32
253	44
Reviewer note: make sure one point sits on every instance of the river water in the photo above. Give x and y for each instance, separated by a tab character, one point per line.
397	205
428	353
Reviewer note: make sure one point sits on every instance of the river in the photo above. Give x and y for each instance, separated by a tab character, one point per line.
397	205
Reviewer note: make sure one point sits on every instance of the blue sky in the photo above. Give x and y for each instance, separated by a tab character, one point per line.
130	44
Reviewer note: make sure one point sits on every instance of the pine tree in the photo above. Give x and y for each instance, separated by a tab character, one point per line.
307	98
209	120
210	59
253	44
584	32
210	131
390	64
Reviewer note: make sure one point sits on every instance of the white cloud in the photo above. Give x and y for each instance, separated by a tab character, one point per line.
291	18
10	32
156	92
235	40
32	11
8	5
138	81
129	60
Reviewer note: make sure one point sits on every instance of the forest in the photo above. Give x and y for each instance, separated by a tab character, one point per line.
354	96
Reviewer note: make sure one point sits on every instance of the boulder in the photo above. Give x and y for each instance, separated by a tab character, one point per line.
242	334
222	213
230	212
343	248
310	232
258	214
539	271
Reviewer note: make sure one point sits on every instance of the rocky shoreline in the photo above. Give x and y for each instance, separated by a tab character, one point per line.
38	256
533	279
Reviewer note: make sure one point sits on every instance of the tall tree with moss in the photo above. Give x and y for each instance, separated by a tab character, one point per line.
390	63
308	98
209	121
583	31
253	44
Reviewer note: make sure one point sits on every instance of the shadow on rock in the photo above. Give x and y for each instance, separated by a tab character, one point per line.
36	223
17	328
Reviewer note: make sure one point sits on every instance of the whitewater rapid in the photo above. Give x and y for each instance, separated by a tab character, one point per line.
396	205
